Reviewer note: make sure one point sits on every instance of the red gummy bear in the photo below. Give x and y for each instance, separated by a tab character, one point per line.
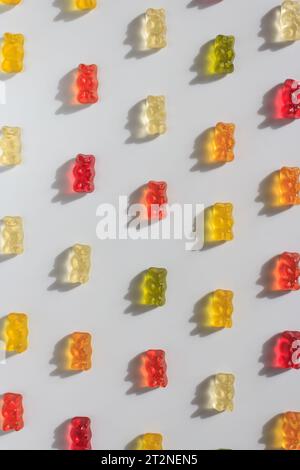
84	173
287	350
156	200
12	412
286	272
87	83
81	433
291	99
154	369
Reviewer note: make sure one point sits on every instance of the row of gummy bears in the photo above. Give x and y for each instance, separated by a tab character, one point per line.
218	308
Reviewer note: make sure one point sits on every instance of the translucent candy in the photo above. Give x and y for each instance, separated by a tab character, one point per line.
286	354
153	287
80	433
219	309
10	2
223	143
149	441
10	146
80	351
12	412
290	100
85	4
221	56
290	20
12	53
156	200
286	272
155	115
87	84
221	392
80	264
156	28
16	332
287	188
219	222
12	235
290	430
154	369
84	174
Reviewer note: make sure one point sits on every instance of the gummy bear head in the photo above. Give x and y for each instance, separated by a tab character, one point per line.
88	69
12	39
85	159
83	251
11	132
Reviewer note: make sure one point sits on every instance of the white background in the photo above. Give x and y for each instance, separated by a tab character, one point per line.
53	133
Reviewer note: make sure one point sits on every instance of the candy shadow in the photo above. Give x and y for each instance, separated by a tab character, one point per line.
136	127
66	13
5	8
133	296
265	197
4	257
66	95
266	359
134	376
59	360
200	153
199	66
265	280
268	430
199	317
60	437
63	184
268	110
134	39
59	273
201	400
269	31
201	4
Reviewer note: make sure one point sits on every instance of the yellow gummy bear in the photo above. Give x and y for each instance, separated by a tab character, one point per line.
80	351
12	235
86	4
219	222
10	2
10	146
80	264
149	441
153	287
156	28
222	392
289	186
290	20
219	309
223	143
16	332
155	115
12	53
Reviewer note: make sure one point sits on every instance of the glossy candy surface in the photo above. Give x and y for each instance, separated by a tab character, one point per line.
87	84
80	264
219	222
286	272
290	97
10	146
12	235
222	392
221	55
153	287
219	309
223	143
84	174
12	53
149	441
80	433
12	412
154	369
85	4
156	28
16	332
80	351
290	20
286	354
155	115
156	200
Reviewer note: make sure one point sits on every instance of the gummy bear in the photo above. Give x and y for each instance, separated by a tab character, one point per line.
156	28
10	146
290	96
290	20
12	412
86	4
153	287
10	2
80	433
12	53
16	332
154	369
87	84
156	200
222	392
12	235
289	186
219	309
80	351
290	430
286	272
155	115
219	222
286	353
84	173
223	143
80	264
222	55
149	441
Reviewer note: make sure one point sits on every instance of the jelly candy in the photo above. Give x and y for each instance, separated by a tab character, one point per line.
10	2
219	222
156	200
84	173
221	392
289	186
80	433
286	354
149	441
80	264
12	412
289	428
153	287
156	28
290	96
219	309
87	84
155	115
154	369
10	146
16	332
223	143
286	272
12	235
12	53
86	4
221	55
80	351
290	20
